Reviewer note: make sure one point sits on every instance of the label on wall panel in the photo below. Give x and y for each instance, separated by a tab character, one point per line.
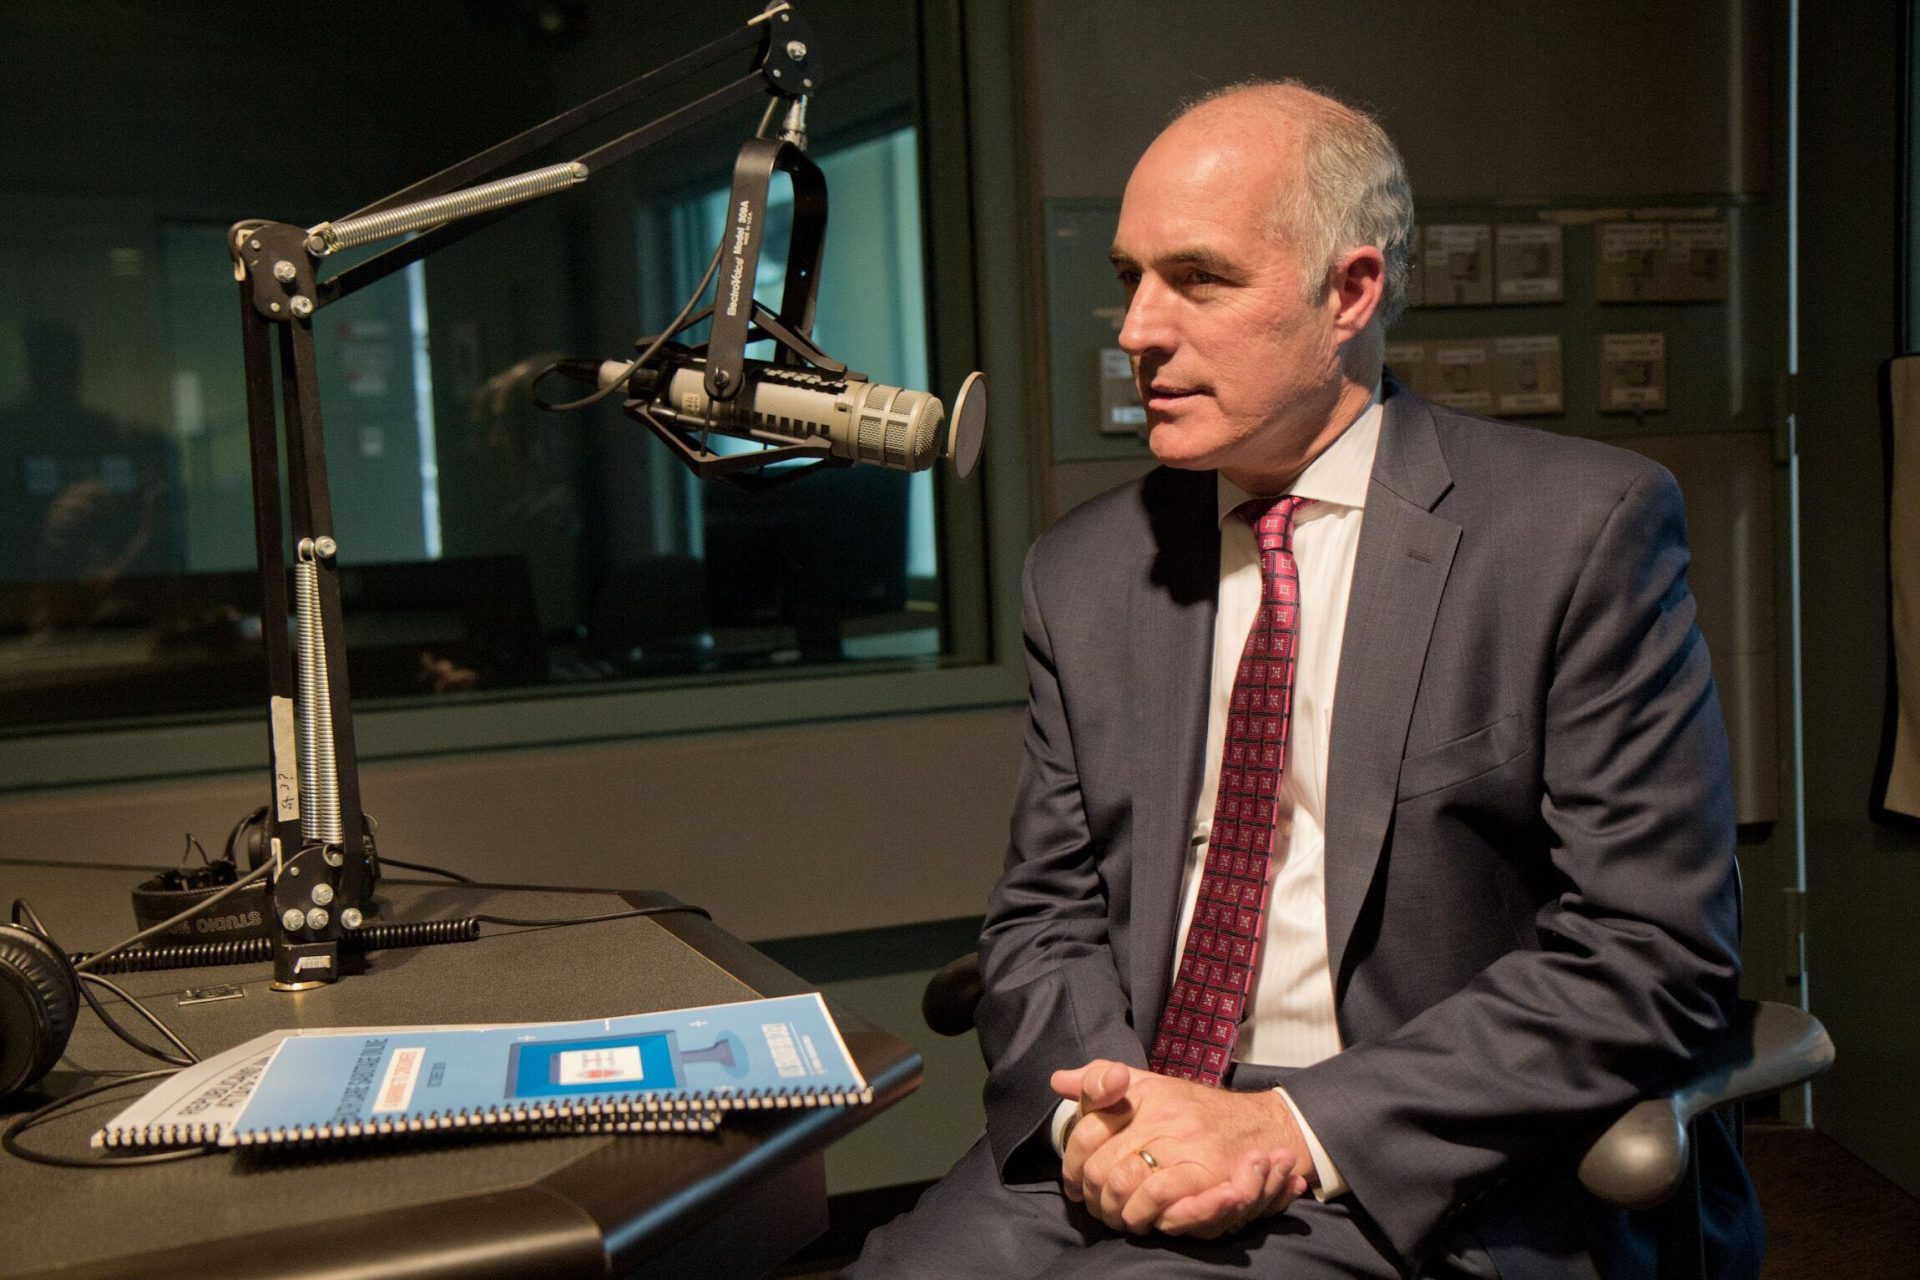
1696	265
1456	260
1663	261
1633	372
1462	375
1629	263
1121	413
1529	263
1526	374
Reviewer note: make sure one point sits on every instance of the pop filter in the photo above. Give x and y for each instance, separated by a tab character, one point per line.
967	424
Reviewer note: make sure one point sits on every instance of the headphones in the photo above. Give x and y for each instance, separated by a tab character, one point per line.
249	836
39	996
40	992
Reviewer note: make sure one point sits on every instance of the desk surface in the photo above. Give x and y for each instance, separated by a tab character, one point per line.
598	1205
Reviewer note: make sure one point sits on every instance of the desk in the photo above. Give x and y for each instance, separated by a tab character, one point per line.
731	1204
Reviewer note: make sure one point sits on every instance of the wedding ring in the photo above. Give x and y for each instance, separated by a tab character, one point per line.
1147	1156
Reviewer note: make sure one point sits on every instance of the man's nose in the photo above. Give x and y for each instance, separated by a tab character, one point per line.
1148	326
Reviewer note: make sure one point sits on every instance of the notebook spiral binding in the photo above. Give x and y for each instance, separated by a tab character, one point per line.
680	1113
549	1120
188	1134
799	1096
677	1122
676	1113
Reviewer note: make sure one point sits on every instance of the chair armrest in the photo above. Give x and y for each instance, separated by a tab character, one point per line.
952	995
1639	1161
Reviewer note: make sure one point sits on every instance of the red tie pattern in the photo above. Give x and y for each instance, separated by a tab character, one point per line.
1202	1019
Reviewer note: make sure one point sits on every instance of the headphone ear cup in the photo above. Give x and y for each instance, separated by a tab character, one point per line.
250	838
39	997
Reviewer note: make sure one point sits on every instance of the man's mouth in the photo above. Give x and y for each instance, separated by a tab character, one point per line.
1164	396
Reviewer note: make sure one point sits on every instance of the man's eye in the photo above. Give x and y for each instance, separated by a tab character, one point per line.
1129	279
1202	277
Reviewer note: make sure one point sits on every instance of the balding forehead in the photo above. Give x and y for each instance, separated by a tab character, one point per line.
1241	137
1288	110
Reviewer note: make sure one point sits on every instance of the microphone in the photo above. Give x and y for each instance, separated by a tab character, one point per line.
857	421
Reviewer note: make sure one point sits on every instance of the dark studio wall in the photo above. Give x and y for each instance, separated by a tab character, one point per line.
1863	880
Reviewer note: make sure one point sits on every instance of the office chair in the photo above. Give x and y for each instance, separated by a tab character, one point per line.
1645	1159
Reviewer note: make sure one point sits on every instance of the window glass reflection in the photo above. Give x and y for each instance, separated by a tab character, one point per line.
487	548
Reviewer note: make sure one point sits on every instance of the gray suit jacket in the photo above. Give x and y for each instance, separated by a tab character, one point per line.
1529	850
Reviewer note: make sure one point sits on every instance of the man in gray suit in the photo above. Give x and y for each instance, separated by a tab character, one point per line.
1374	845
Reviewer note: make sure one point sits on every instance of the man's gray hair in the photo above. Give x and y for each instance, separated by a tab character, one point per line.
1355	192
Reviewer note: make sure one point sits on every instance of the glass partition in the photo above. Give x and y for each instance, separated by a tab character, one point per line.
488	549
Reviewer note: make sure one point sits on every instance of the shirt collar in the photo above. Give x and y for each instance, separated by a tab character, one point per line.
1338	477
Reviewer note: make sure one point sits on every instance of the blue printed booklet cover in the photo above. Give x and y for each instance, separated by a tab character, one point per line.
674	1070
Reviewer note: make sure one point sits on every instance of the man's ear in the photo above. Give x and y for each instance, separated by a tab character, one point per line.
1356	284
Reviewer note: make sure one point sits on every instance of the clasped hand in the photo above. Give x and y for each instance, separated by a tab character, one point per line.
1220	1159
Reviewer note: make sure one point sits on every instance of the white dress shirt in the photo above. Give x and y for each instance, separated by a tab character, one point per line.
1290	1015
1289	1020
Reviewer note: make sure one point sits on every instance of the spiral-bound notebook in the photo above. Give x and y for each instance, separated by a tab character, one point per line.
674	1070
197	1105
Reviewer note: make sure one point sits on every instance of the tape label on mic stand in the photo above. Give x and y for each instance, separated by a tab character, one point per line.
286	780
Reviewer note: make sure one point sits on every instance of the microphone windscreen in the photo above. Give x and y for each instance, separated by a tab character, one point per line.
895	427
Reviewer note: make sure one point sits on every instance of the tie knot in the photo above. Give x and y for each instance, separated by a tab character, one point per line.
1272	520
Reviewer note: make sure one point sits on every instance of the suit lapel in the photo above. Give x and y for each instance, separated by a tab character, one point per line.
1170	621
1399	573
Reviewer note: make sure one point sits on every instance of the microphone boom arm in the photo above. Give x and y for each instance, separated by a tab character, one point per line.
324	868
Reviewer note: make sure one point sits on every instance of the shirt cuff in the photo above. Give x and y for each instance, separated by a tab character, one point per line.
1331	1183
1058	1129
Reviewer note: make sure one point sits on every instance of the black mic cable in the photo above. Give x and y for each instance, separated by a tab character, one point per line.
678	323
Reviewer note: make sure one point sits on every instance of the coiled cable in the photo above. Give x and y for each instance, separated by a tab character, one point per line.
193	955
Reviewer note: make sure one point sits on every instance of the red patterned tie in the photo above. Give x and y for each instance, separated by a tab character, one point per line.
1196	1033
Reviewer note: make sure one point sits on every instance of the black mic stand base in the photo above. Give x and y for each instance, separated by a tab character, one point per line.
290	960
308	914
